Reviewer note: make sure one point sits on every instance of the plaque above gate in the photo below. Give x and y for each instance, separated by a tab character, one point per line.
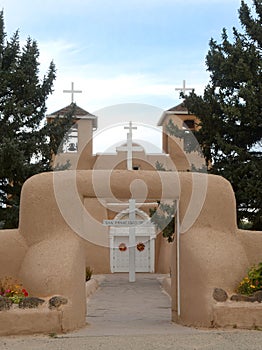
126	223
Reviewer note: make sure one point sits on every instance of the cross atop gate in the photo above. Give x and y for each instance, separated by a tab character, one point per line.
131	223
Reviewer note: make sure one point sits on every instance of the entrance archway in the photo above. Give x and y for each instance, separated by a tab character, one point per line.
145	244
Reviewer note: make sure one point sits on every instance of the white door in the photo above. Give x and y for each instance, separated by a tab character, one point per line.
145	245
121	254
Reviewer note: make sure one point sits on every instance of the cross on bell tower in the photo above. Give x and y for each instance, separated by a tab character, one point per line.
72	92
184	89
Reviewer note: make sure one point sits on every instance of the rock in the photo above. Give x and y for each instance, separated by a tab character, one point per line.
5	303
220	295
258	296
240	297
57	301
30	303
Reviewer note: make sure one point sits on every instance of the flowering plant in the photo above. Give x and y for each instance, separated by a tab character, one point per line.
252	282
12	289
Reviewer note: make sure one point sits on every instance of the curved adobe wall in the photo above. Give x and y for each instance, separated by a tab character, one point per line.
212	253
12	245
56	258
42	219
252	243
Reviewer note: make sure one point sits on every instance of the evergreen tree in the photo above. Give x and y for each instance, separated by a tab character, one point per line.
231	114
26	143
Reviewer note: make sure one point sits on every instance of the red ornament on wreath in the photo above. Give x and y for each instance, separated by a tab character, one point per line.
140	246
122	247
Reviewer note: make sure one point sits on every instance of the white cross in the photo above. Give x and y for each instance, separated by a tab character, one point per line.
129	148
184	89
132	242
131	223
72	92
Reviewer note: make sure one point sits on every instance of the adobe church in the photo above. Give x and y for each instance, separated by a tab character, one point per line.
69	220
78	148
78	151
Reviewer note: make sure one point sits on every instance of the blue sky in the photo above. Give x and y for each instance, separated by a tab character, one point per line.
122	51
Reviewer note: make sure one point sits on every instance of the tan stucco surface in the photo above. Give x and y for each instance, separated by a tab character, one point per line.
238	315
49	257
12	251
45	253
173	157
213	254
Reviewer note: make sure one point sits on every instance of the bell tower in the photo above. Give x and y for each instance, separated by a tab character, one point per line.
78	145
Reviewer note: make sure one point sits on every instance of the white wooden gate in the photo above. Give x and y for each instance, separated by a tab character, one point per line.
145	245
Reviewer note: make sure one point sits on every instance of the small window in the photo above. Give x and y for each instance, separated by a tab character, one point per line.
72	147
189	123
71	140
190	142
136	167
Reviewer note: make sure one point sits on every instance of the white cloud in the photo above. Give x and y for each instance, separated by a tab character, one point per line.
105	84
101	92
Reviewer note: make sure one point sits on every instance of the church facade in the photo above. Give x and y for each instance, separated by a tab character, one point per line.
78	149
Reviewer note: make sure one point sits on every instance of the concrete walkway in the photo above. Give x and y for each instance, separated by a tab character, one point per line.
135	316
120	307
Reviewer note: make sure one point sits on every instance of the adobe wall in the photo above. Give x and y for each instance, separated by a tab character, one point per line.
252	243
50	258
213	254
114	161
96	241
47	255
174	146
12	245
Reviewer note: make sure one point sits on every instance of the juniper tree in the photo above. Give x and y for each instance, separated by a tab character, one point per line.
230	111
26	143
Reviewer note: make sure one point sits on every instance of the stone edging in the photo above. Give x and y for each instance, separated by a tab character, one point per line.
220	295
166	284
93	284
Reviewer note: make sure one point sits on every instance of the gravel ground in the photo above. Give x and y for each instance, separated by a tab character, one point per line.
210	340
